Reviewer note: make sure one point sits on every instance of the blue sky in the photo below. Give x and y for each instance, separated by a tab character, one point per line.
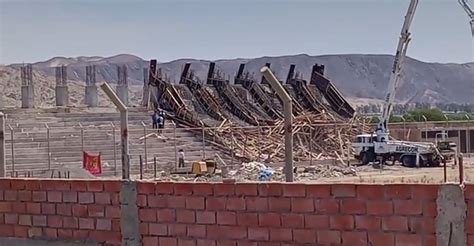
37	30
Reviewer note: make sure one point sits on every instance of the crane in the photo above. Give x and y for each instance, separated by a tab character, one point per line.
469	12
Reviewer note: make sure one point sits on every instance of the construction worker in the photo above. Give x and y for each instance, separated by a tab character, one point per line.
181	158
154	119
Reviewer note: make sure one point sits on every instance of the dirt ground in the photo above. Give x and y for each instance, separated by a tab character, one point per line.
399	174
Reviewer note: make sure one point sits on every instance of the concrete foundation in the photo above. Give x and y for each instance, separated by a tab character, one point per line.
27	96
91	98
62	96
122	93
451	216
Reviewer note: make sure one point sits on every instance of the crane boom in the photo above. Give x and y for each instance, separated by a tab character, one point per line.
469	12
395	76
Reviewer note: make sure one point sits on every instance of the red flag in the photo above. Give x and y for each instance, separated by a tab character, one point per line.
92	163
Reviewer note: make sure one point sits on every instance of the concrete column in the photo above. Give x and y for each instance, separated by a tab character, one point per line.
122	93
62	95
27	96
451	215
129	218
3	162
90	97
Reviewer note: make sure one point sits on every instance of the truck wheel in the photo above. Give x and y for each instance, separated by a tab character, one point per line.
408	161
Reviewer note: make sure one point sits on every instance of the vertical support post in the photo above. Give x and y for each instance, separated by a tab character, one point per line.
12	137
175	145
82	137
2	145
417	161
232	149
310	145
141	167
203	142
288	113
115	148
154	167
49	148
445	171
461	169
144	142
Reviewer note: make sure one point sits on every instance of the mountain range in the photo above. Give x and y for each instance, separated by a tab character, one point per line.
361	78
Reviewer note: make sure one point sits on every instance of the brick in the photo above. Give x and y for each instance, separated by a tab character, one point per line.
11	219
205	217
143	229
203	189
148	215
246	189
318	191
103	225
96	210
112	212
116	225
395	223
281	234
95	186
18	184
86	197
142	201
370	223
19	207
70	222
50	233
39	196
354	238
39	220
106	237
316	221
343	222
408	240
269	219
33	208
24	195
24	219
258	233
408	207
196	231
226	218
86	223
175	201
7	230
177	230
353	206
302	205
326	206
55	196
115	197
224	189
379	208
79	210
270	189
247	219
33	232
10	195
5	207
425	192
20	231
33	185
55	221
430	209
112	185
162	201
64	233
64	209
215	203
292	220
469	192
183	188
469	225
166	215
195	202
370	192
226	243
185	216
398	191
205	242
381	238
279	204
343	190
235	203
79	185
47	208
294	190
422	225
168	241
5	184
102	198
164	188
70	196
329	237
304	236
431	240
1	195
186	242
256	203
80	234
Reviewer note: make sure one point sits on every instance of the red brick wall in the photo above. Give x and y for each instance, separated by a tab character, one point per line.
286	214
60	209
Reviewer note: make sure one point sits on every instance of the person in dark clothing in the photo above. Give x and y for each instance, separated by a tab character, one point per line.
154	119
159	122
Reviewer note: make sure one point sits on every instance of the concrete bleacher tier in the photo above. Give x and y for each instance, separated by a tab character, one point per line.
31	142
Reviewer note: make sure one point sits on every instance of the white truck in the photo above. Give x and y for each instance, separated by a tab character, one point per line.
377	146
